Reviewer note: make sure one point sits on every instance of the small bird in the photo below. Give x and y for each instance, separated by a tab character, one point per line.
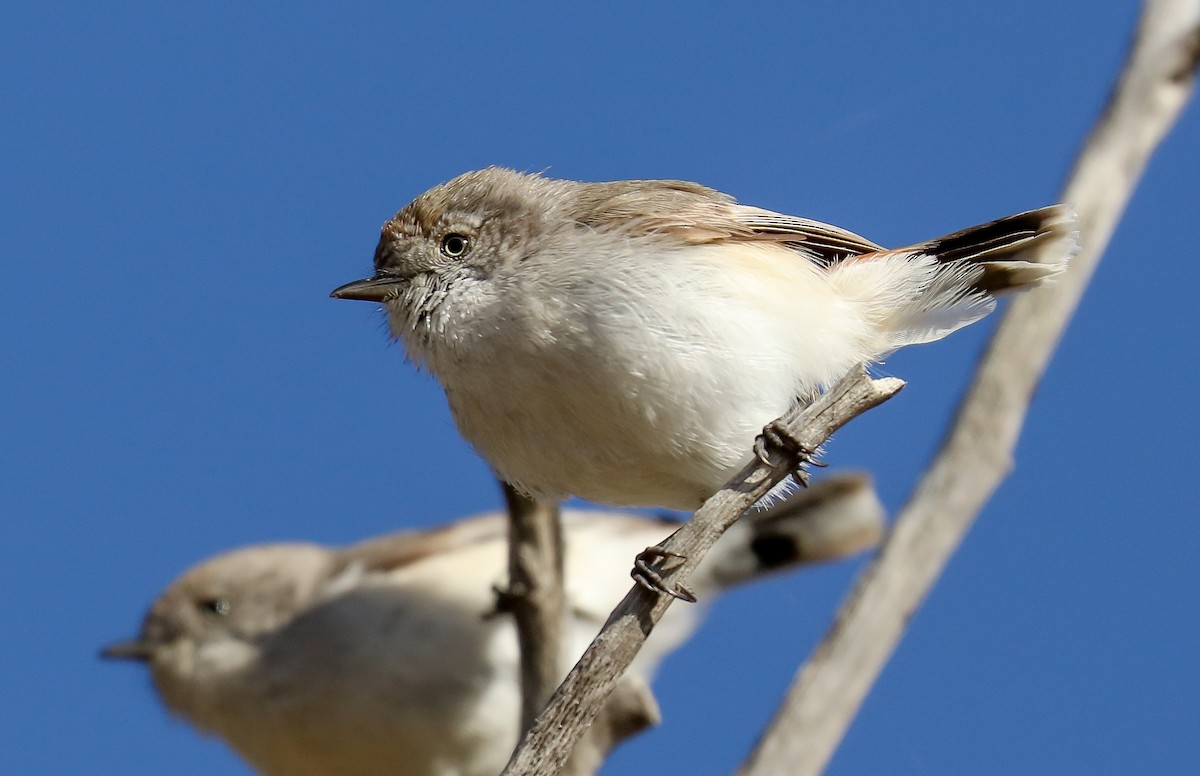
388	657
626	342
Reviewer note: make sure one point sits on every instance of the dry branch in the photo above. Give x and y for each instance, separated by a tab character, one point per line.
579	699
628	711
535	596
976	454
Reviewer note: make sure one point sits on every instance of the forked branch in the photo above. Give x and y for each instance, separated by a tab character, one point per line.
576	703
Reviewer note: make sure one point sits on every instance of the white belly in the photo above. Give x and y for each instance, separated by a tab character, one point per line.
633	388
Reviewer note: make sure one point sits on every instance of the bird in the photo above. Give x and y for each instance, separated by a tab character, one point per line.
626	341
389	656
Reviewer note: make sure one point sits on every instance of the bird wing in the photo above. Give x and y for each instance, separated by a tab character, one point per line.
396	550
829	244
696	215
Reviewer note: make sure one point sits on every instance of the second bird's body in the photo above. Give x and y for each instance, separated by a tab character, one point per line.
389	657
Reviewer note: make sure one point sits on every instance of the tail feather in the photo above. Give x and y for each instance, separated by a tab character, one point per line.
1008	249
923	292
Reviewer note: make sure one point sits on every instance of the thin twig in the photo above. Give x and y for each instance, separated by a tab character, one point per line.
535	596
581	696
976	454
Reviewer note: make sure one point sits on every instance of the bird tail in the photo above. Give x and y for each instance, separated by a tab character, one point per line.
835	517
923	292
1008	251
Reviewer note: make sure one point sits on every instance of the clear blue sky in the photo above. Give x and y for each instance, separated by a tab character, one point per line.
185	183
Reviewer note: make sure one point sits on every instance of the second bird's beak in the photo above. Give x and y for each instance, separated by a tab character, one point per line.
375	289
134	649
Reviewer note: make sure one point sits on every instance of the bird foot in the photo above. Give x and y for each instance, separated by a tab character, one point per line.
778	448
651	579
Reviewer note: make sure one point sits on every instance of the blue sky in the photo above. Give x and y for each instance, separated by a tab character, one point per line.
184	185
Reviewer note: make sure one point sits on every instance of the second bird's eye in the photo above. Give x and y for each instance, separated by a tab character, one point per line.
214	606
455	245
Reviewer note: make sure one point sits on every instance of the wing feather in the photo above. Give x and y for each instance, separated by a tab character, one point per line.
697	215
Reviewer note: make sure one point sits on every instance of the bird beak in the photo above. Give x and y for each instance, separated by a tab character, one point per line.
375	289
134	649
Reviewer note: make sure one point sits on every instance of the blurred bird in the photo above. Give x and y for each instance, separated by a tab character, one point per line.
389	657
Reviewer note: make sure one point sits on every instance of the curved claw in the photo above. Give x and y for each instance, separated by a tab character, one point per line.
777	448
650	579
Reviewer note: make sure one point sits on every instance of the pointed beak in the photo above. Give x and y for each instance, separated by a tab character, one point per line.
375	289
134	649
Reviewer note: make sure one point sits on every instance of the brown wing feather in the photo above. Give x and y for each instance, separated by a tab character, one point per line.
830	243
696	214
396	550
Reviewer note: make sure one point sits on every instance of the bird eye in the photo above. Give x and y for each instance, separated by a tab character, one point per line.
218	607
455	245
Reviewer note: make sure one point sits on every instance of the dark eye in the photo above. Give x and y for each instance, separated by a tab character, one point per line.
455	245
217	607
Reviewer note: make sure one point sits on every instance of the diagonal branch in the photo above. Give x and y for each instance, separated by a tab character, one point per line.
581	696
976	454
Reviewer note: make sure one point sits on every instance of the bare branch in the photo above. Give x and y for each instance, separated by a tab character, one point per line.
535	596
842	516
976	454
629	710
584	692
